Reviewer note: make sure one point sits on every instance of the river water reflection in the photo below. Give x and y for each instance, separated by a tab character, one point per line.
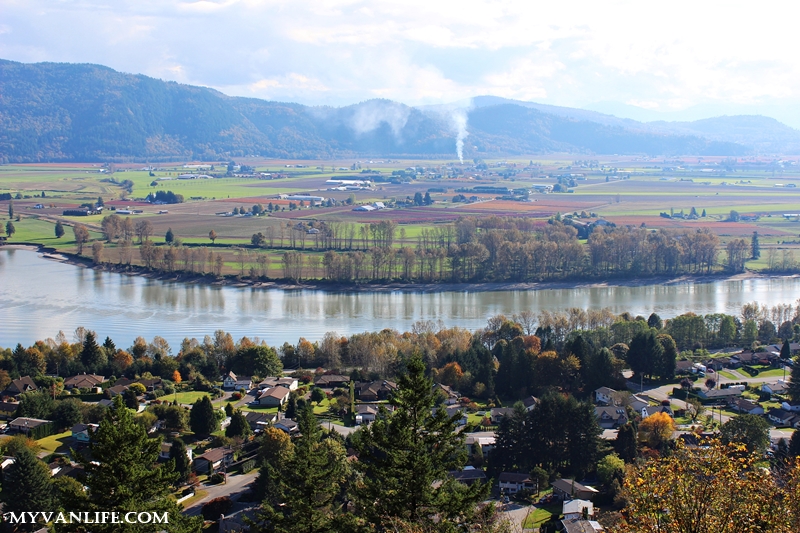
40	297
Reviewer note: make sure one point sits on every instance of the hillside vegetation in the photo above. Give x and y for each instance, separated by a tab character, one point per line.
81	112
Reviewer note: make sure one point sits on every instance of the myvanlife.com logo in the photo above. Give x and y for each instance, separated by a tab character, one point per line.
104	517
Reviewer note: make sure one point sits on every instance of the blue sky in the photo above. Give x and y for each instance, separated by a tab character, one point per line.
647	60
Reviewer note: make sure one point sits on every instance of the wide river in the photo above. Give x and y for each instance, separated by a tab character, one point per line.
39	297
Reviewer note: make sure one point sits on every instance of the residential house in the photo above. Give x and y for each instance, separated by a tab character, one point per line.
718	363
568	489
497	414
747	406
781	418
610	417
581	526
650	410
374	391
152	384
452	411
604	395
366	413
166	447
779	387
331	381
637	403
289	383
450	396
259	421
116	390
729	393
684	367
26	425
274	397
84	381
288	426
7	410
530	402
791	406
480	439
469	475
80	432
20	386
512	482
232	382
577	509
213	460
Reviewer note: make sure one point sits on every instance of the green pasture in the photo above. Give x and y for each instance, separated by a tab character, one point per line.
60	442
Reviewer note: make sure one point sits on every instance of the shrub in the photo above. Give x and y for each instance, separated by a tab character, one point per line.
212	509
236	396
217	478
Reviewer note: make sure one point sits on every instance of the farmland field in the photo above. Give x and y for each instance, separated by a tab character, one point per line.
682	194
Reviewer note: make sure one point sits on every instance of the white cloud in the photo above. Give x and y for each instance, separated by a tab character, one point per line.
658	55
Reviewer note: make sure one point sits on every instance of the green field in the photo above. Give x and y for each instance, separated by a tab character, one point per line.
58	443
637	200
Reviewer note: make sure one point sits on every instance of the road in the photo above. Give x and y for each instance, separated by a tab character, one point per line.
235	487
663	393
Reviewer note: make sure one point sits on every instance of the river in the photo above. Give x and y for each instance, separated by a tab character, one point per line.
39	297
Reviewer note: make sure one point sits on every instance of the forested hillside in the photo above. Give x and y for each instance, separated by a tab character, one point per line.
80	112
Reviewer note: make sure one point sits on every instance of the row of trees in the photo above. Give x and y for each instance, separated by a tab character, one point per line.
471	250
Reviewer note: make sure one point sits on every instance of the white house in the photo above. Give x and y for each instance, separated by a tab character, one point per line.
604	395
574	509
232	382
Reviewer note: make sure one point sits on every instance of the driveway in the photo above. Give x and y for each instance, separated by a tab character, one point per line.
233	488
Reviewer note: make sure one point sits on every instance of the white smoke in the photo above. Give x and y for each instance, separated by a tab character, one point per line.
458	118
371	114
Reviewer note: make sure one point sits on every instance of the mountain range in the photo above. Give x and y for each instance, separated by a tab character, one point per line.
84	112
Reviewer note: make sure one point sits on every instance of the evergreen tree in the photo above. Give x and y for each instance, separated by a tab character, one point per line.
91	357
665	364
786	350
654	321
645	350
794	383
239	427
794	445
59	230
169	236
303	486
427	200
11	209
401	456
291	407
626	443
10	229
202	419
178	454
26	485
755	247
123	474
703	214
109	347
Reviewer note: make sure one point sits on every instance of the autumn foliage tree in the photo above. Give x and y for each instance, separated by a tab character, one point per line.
658	428
712	488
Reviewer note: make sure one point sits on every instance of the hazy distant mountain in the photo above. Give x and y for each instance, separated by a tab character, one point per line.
79	112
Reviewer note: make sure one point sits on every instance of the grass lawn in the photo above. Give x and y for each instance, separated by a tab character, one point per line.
770	372
729	375
540	515
198	495
58	443
185	397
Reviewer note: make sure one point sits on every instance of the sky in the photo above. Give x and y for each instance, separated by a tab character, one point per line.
645	60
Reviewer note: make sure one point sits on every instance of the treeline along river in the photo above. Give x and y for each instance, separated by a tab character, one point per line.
40	297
